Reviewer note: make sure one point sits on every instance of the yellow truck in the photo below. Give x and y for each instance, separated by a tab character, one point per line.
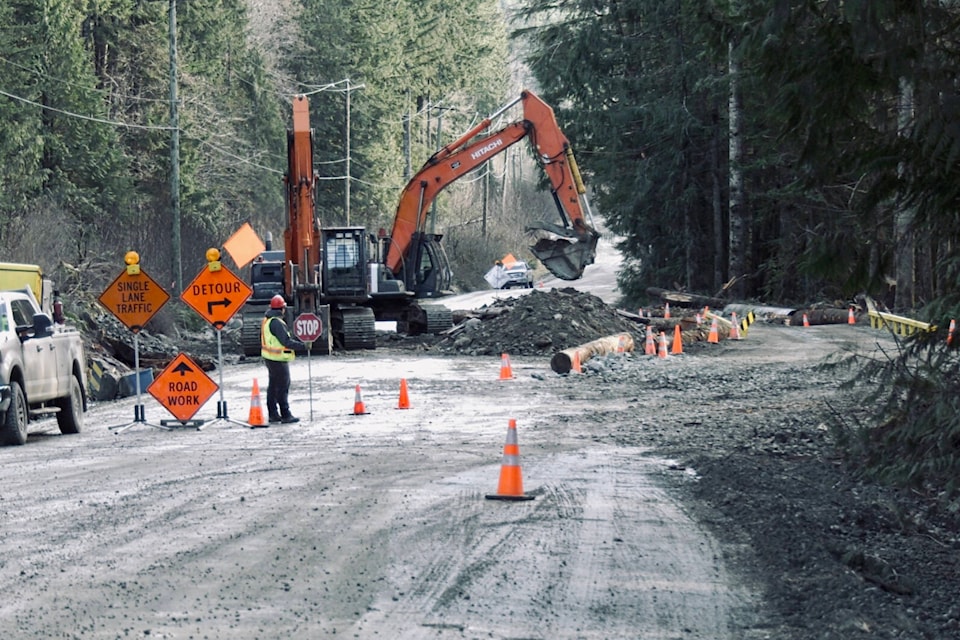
14	276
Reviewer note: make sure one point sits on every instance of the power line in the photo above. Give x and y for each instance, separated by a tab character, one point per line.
71	114
231	155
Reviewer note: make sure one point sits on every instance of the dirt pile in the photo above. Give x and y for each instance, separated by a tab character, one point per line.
539	323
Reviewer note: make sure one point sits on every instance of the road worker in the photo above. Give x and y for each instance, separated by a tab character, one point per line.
277	349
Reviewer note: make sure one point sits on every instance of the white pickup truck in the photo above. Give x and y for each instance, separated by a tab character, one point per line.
43	364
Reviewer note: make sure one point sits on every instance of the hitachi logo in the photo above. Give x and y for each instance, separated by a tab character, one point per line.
479	153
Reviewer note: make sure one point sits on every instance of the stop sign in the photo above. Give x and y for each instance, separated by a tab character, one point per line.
307	327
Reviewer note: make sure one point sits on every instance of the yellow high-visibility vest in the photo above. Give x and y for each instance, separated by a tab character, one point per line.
270	346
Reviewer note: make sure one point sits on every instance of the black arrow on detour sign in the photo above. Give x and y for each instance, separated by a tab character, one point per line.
226	302
183	368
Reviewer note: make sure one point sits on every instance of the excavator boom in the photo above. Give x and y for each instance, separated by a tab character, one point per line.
565	256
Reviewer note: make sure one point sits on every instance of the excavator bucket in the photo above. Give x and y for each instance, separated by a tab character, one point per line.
564	258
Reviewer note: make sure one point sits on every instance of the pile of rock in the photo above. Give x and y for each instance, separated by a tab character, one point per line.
539	323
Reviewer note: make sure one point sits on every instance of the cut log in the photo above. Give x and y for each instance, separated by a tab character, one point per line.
769	314
685	299
562	361
821	316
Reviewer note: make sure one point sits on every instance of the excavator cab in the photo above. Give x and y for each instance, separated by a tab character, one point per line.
431	273
345	263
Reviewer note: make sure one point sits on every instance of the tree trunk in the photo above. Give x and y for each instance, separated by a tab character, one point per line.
717	206
905	297
739	243
562	361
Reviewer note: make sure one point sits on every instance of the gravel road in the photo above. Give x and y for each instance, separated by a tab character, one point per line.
366	526
697	496
377	525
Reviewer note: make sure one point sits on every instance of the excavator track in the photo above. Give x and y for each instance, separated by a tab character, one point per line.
357	328
250	331
439	318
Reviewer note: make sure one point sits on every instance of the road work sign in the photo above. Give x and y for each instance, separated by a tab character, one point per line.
216	295
134	299
182	388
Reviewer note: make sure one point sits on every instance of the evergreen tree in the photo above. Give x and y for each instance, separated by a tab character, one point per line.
70	172
634	92
407	56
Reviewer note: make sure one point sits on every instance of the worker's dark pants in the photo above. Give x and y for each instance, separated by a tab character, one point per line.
278	388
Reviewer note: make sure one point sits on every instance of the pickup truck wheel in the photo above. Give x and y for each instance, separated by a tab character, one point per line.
14	428
70	417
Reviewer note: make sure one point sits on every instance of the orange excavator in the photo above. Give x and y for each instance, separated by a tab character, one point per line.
565	256
329	271
351	280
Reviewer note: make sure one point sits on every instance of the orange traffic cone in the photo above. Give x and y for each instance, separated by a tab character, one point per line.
806	322
510	486
734	326
953	326
714	335
255	419
666	310
506	372
576	367
663	345
404	398
358	408
851	319
650	348
677	341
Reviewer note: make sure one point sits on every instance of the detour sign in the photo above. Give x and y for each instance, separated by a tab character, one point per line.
216	295
182	388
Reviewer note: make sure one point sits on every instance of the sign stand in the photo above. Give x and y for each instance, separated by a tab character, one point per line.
182	388
138	411
222	415
310	380
308	327
217	294
134	297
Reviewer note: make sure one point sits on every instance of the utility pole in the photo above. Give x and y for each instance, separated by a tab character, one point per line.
433	206
348	178
486	196
175	151
407	169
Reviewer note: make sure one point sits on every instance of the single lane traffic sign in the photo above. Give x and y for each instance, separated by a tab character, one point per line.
134	298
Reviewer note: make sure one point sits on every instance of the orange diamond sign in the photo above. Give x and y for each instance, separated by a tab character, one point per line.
182	388
216	295
134	299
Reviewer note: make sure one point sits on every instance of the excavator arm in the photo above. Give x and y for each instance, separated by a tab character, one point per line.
301	237
565	256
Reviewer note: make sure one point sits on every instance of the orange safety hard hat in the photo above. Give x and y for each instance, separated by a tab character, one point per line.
277	302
